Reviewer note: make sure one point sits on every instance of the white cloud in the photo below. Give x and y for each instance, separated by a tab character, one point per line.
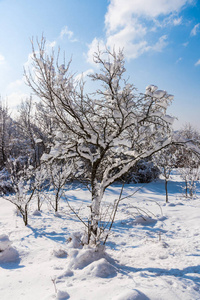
197	63
51	44
16	84
2	59
161	44
84	74
29	61
131	49
16	92
195	30
133	24
165	21
66	32
14	99
185	44
177	21
120	12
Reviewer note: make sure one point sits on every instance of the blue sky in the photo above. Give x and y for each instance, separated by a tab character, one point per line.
161	41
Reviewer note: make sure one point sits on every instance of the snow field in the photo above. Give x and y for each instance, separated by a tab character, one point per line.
154	256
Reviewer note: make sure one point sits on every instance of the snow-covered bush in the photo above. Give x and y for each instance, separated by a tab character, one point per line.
144	171
5	182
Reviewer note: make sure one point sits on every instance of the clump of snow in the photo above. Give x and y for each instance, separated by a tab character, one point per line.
169	119
159	94
45	157
151	88
62	295
75	240
144	220
7	253
67	273
5	243
100	268
37	141
59	253
131	295
92	261
79	259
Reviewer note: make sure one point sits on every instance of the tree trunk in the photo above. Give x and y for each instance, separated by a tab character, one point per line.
186	188
25	217
166	190
95	212
38	203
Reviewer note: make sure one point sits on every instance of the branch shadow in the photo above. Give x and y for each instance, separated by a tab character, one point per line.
187	273
60	237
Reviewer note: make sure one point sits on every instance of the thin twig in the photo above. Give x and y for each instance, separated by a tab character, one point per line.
76	214
115	211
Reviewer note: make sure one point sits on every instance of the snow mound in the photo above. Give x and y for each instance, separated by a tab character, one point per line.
92	261
131	295
79	259
67	273
58	215
37	213
144	220
7	253
62	295
100	268
171	204
4	242
59	253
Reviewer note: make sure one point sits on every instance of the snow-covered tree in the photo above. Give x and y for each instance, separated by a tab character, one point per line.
106	133
31	131
40	184
6	124
190	175
22	180
58	174
188	159
166	161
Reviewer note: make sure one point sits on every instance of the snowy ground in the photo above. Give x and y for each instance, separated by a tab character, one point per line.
154	259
